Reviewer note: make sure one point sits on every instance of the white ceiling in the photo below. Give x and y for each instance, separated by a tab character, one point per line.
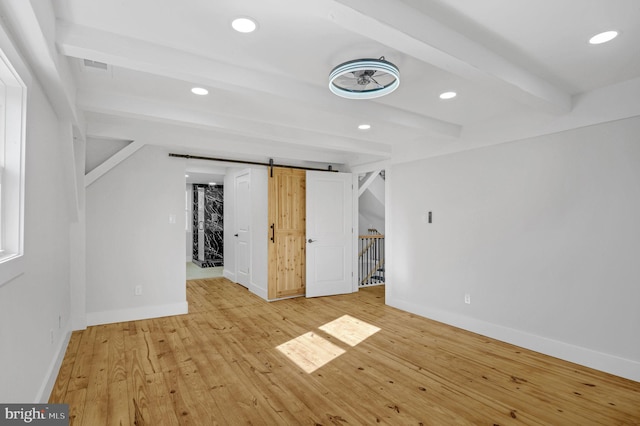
510	61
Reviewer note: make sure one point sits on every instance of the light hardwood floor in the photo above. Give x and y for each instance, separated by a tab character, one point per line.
220	364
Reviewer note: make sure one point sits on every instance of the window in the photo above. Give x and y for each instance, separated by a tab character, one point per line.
12	138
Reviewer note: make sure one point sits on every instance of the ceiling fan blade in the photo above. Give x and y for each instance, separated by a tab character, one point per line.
380	86
347	84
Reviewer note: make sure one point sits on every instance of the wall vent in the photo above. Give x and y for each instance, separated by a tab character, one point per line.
95	64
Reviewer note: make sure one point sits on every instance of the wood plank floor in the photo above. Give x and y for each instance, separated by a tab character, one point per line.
221	364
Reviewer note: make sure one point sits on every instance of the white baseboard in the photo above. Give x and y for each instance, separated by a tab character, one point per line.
231	276
259	291
612	364
52	372
134	314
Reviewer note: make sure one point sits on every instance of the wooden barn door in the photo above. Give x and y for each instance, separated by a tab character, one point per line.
287	225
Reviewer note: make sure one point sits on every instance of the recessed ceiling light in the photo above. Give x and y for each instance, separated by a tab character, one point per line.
186	175
364	126
448	95
244	25
212	184
199	91
603	37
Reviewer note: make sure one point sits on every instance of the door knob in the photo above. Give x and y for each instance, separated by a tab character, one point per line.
310	240
235	235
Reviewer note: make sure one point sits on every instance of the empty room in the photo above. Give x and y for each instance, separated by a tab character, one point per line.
390	212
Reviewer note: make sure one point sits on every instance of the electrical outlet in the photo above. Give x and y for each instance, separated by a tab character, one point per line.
138	290
467	298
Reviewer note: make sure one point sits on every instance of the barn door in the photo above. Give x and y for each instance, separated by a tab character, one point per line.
286	234
329	206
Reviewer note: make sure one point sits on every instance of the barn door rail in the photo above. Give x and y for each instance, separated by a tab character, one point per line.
270	164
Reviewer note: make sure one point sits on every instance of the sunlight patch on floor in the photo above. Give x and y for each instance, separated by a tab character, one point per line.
350	330
310	351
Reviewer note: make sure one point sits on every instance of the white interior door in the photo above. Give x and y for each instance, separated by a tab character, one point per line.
243	221
329	208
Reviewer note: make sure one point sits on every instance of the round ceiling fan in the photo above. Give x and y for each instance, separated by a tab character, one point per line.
364	78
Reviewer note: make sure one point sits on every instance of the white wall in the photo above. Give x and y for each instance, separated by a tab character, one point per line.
36	304
131	240
544	235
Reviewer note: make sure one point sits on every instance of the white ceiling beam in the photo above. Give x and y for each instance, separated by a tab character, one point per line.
401	27
169	112
367	181
87	43
111	162
66	142
33	22
213	143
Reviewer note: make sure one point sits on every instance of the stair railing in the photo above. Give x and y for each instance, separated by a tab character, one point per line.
371	259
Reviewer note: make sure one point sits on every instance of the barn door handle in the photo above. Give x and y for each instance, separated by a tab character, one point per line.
273	233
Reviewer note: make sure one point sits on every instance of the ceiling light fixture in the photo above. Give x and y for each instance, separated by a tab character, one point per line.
212	184
364	126
244	25
199	91
364	78
603	37
448	95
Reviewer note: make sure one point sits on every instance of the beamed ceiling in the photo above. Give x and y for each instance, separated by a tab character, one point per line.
519	68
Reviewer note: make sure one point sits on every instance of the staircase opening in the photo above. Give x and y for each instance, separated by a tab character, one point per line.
371	228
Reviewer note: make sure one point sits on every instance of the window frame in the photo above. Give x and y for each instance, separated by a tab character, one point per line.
14	77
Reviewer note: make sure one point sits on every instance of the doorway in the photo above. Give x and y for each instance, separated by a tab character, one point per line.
371	228
311	233
204	222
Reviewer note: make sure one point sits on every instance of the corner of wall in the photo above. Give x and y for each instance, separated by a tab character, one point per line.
228	274
54	368
137	313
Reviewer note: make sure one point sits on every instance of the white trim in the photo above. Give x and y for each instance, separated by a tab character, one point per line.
44	392
111	162
15	79
228	274
355	216
259	291
11	268
139	313
587	357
